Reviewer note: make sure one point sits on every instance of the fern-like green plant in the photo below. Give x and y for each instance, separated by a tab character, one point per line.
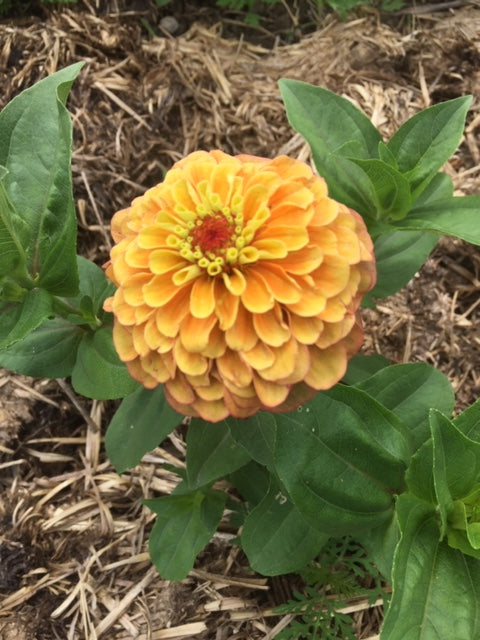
342	571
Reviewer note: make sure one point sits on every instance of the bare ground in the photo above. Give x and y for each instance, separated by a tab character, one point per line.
73	534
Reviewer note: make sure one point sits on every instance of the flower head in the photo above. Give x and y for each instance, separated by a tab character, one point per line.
238	284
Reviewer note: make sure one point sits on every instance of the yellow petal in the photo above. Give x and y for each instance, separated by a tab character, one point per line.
327	366
136	257
165	260
214	391
290	237
139	342
160	290
335	331
155	340
326	211
211	411
234	282
202	297
302	365
137	372
270	327
270	248
334	310
133	289
302	262
180	390
217	345
154	237
311	302
154	365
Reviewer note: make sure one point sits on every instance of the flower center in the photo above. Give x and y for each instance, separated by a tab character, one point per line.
212	234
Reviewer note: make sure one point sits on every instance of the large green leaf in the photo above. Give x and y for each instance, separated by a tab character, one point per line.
35	151
13	235
399	255
456	216
391	188
426	141
18	319
468	422
98	372
142	421
257	436
335	460
336	131
410	391
211	452
436	589
276	538
48	352
185	524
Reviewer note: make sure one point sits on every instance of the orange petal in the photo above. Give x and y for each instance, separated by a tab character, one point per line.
169	317
333	332
332	276
269	393
284	363
327	366
138	373
231	367
136	257
270	248
291	237
302	262
155	340
180	390
302	365
160	290
195	332
202	297
139	342
260	357
305	330
133	289
155	237
214	391
234	282
226	305
217	345
155	366
334	310
281	286
271	328
211	411
311	302
241	336
123	341
326	211
256	297
192	363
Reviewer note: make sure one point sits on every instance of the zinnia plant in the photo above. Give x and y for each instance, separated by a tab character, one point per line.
237	285
231	306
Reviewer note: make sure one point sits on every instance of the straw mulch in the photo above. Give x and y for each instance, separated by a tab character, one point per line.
73	534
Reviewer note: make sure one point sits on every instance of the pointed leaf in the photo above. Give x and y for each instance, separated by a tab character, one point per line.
426	141
410	390
211	452
98	372
361	367
185	524
35	150
436	589
12	235
257	436
391	188
142	421
276	538
468	422
18	319
457	216
48	352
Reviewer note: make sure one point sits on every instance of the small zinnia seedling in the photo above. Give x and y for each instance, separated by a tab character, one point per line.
238	284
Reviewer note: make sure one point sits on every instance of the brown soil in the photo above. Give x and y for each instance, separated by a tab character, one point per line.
73	534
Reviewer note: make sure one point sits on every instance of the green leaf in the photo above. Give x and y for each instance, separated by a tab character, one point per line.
361	367
410	390
468	422
457	216
336	131
436	589
257	436
211	452
13	235
251	481
439	188
35	150
18	319
340	479
49	351
275	537
399	255
98	372
185	524
381	543
391	188
142	421
426	141
93	285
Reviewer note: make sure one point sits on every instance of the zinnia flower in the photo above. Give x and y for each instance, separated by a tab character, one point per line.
238	284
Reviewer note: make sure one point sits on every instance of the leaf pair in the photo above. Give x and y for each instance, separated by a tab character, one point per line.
395	186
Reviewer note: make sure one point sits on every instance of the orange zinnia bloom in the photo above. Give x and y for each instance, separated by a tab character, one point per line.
238	284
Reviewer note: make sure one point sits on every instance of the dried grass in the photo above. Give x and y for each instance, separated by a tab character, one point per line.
73	534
